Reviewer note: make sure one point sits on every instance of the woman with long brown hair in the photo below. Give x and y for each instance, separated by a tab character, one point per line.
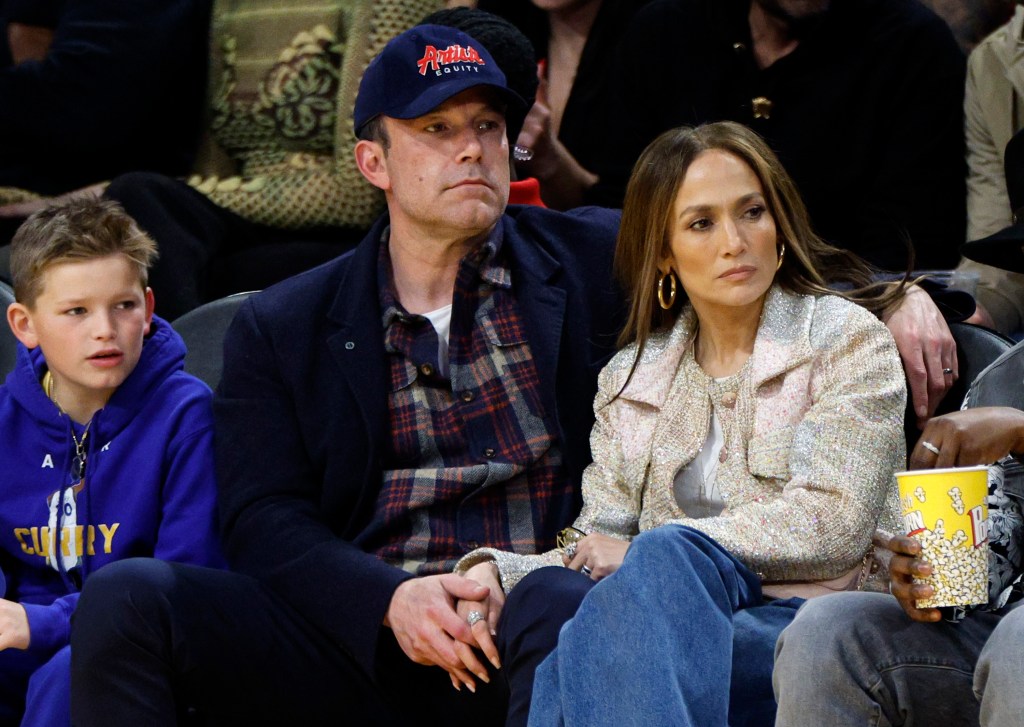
744	449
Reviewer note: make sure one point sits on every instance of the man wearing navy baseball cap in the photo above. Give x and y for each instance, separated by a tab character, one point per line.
379	418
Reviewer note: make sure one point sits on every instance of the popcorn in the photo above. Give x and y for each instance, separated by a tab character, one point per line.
959	574
958	500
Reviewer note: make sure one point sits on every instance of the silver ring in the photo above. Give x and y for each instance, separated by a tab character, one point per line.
947	372
570	551
522	153
474	618
930	447
585	570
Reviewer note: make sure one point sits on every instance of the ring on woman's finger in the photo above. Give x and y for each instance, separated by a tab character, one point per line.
570	551
474	617
930	447
947	372
585	570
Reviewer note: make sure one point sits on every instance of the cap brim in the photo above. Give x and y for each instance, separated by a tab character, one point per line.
431	99
434	97
1004	249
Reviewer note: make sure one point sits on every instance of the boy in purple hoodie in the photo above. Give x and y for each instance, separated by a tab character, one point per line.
105	441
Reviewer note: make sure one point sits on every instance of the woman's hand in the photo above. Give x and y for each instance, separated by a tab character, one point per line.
14	632
563	181
597	556
484	630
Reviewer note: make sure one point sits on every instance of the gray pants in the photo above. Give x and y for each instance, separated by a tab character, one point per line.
857	659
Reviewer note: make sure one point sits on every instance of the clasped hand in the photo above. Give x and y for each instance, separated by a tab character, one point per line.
430	619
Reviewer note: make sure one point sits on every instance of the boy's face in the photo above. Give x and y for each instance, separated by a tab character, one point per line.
89	319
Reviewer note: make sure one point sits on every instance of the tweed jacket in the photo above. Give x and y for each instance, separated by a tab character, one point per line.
813	436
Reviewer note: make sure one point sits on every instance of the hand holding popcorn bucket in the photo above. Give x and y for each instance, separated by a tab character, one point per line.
946	510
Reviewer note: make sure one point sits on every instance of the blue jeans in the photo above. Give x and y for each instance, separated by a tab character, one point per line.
857	659
675	636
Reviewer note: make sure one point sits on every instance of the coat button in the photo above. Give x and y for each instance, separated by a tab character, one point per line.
489	452
349	345
466	396
426	369
729	399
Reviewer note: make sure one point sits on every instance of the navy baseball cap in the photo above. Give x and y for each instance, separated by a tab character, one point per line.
423	67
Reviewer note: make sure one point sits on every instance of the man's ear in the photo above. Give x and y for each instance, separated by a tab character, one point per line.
150	306
19	318
372	163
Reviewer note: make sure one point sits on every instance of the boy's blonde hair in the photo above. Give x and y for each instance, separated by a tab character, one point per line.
74	231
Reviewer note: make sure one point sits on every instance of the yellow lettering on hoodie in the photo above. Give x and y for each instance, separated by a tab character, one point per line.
21	534
108	535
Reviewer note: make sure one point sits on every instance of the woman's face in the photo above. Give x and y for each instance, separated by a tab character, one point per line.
723	239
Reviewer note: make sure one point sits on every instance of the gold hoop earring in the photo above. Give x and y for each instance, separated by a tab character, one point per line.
782	254
671	277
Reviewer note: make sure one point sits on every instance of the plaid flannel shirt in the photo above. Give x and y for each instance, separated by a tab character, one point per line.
473	458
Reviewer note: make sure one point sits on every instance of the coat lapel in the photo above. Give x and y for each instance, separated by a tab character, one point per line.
357	345
542	301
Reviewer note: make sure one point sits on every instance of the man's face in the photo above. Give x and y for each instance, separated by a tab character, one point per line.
447	173
795	9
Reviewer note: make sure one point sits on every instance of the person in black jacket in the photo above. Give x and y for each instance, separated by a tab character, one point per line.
861	99
379	417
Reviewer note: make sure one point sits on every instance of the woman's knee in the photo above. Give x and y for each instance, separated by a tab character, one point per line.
668	544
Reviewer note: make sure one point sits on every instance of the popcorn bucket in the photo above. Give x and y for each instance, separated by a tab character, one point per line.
946	511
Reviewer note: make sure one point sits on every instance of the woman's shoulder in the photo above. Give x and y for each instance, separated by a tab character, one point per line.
836	321
826	320
842	312
662	345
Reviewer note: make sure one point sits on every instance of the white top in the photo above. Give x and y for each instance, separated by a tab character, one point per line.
441	319
695	486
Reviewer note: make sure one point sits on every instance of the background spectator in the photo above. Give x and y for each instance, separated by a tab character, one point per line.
120	88
861	99
576	40
994	109
277	189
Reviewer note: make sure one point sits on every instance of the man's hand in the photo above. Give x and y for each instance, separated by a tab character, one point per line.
600	554
903	568
970	437
484	630
927	349
14	633
428	629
